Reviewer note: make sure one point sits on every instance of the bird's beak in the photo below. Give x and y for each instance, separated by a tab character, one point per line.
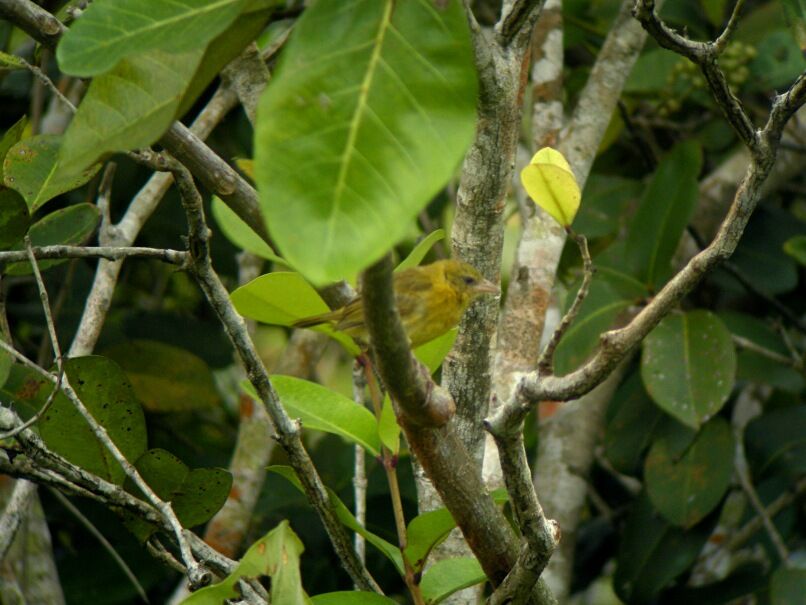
486	287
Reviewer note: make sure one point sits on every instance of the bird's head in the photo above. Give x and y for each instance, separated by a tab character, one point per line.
467	281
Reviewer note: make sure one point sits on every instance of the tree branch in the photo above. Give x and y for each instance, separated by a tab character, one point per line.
288	431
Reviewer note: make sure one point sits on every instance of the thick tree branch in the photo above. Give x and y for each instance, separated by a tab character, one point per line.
440	451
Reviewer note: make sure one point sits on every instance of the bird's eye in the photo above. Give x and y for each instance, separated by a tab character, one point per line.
469	280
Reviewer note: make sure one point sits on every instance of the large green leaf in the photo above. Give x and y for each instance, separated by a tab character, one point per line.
71	226
30	168
166	378
686	486
321	409
653	552
688	364
447	576
239	233
361	127
281	298
127	108
275	555
109	30
106	393
195	495
663	213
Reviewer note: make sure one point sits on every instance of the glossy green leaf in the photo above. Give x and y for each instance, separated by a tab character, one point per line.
685	488
788	586
597	314
653	552
195	495
388	428
776	442
796	248
14	218
69	226
417	255
447	576
106	393
321	409
432	353
127	108
10	138
166	378
109	31
426	531
688	364
281	298
359	129
275	555
241	234
663	213
353	597
30	169
632	419
344	515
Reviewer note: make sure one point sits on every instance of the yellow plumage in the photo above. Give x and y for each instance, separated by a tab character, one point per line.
431	299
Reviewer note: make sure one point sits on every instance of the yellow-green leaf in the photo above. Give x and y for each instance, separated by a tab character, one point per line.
550	183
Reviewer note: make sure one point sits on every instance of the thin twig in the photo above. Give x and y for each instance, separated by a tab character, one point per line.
545	364
288	431
44	466
722	41
359	470
743	472
174	257
749	345
41	412
197	575
107	545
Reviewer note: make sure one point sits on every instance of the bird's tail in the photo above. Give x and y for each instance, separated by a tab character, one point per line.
314	320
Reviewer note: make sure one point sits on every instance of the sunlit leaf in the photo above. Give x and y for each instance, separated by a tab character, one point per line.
108	31
549	181
359	129
30	168
275	555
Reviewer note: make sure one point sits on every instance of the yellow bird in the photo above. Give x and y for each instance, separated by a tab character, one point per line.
431	300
